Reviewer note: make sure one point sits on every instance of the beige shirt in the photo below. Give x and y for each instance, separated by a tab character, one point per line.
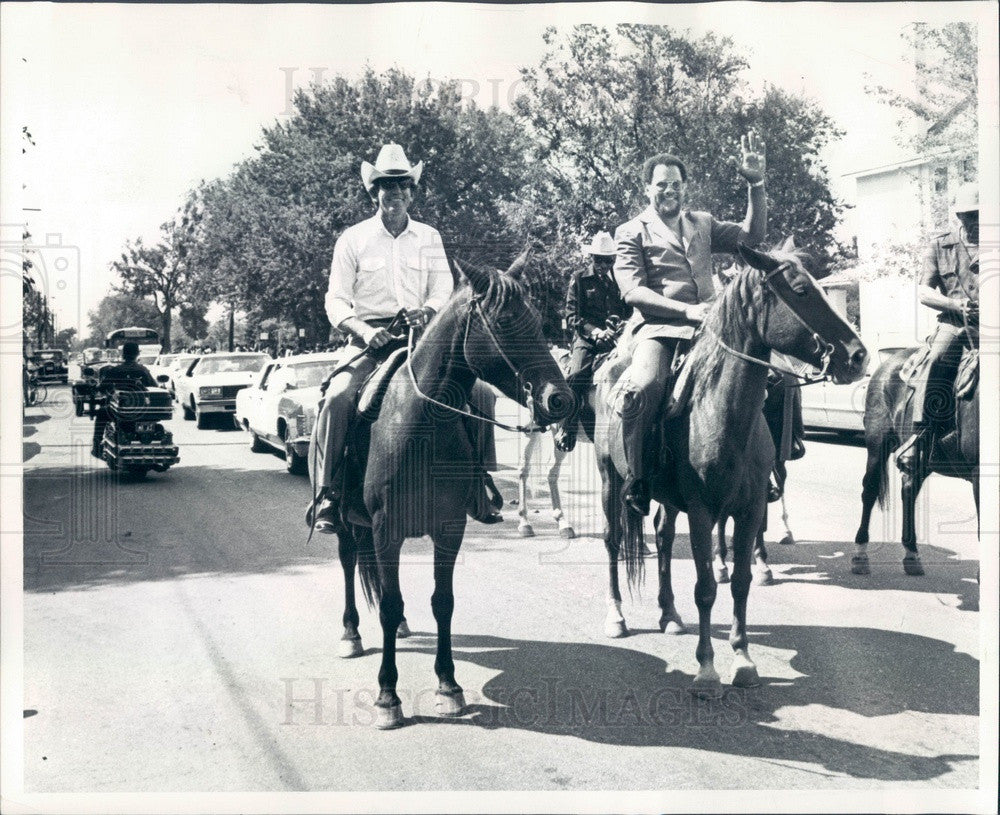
374	275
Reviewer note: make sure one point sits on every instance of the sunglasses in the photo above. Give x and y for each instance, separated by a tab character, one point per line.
394	183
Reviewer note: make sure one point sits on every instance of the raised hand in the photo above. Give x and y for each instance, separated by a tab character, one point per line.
752	158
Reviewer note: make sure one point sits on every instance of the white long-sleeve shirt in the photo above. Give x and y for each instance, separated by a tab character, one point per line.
374	275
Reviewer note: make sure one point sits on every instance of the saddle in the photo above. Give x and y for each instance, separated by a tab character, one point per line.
372	390
914	364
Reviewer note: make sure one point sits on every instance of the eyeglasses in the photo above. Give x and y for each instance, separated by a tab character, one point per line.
395	183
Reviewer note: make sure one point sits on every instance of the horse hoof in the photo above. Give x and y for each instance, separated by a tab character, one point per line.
859	565
788	540
721	574
673	627
707	687
348	648
568	532
449	704
615	629
746	676
913	567
526	531
388	718
403	631
763	577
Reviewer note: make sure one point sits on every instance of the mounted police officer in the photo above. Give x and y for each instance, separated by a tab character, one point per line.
949	284
663	266
592	301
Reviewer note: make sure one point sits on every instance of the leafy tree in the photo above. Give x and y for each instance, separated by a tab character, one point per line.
602	101
162	272
269	228
944	100
65	339
118	311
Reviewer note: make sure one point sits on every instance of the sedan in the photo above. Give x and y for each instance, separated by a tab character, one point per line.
279	409
210	385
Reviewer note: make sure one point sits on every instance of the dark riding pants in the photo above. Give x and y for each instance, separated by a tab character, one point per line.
934	394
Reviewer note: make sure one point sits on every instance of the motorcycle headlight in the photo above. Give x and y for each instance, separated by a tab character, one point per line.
208	393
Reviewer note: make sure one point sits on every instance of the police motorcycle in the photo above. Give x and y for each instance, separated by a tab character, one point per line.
134	441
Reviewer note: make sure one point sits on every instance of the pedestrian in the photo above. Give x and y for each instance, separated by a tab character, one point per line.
382	265
949	284
663	266
592	300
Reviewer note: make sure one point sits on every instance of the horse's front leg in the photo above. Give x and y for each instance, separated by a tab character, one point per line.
706	682
523	526
781	474
565	528
350	643
449	701
910	490
762	574
665	523
871	487
388	709
745	535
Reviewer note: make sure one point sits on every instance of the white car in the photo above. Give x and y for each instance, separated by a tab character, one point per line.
279	409
209	386
177	368
161	367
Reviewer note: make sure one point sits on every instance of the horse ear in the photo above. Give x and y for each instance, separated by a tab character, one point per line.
758	260
789	244
520	262
478	278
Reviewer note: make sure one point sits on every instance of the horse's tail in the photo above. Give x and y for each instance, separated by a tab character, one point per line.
367	565
625	527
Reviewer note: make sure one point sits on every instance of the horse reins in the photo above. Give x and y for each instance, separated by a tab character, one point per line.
476	306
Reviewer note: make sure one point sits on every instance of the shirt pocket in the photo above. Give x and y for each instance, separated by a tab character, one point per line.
371	277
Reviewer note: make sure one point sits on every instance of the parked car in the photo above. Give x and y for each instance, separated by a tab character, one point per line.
50	365
209	386
178	367
279	409
161	365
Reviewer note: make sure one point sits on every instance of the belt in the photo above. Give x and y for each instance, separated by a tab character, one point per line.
379	322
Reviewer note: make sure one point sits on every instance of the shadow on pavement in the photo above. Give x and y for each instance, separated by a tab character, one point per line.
614	695
29	450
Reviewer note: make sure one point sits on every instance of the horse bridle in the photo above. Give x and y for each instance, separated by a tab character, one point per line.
476	306
825	348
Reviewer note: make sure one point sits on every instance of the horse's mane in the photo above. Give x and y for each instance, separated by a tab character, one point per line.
501	291
742	297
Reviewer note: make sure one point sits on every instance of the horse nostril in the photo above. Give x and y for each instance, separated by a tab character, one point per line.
558	403
858	358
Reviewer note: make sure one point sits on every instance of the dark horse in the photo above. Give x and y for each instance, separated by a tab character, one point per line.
717	450
417	464
888	420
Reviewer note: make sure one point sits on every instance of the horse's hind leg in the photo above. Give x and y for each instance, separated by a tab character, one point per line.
523	526
666	521
350	642
781	475
762	574
745	534
911	489
870	488
449	700
611	484
565	528
719	552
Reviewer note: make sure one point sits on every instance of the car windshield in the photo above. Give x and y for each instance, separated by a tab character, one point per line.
147	360
217	364
47	355
183	361
310	374
164	360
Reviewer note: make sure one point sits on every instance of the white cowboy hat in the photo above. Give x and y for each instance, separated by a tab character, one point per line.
601	244
967	199
391	163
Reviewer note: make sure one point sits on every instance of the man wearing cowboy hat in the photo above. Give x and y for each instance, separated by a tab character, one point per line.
382	265
949	284
591	300
663	265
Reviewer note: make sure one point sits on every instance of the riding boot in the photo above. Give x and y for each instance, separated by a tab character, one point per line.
635	492
326	507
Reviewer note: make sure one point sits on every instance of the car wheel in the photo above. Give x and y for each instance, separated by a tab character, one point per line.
202	420
78	408
256	445
188	413
294	463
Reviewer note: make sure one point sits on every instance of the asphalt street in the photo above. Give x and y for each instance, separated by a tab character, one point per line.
180	634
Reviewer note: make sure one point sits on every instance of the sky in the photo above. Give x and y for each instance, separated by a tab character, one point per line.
130	106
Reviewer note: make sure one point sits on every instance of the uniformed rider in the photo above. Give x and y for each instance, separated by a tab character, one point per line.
663	266
949	284
593	304
129	374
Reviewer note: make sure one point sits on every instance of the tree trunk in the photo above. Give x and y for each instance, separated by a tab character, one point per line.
232	324
165	321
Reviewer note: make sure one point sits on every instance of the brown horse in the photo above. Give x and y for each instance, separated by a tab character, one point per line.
417	464
889	420
717	452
